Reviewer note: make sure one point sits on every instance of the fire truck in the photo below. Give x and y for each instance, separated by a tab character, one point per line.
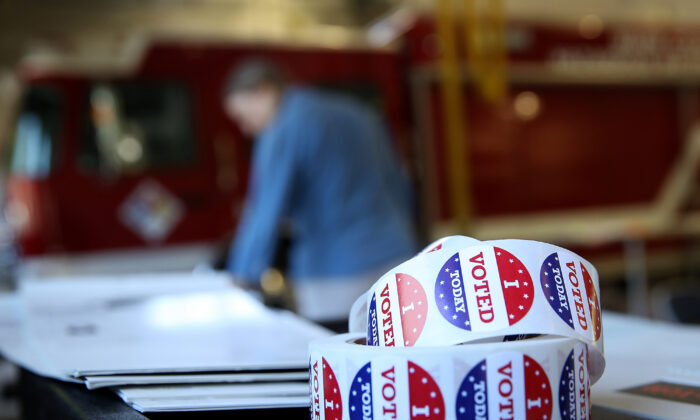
590	142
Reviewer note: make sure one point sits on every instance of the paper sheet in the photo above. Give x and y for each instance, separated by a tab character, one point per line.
639	352
216	397
221	402
15	343
94	382
222	330
176	392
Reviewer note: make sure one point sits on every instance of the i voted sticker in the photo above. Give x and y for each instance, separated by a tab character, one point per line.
483	288
374	393
360	400
413	306
372	323
327	398
412	310
507	385
574	386
570	292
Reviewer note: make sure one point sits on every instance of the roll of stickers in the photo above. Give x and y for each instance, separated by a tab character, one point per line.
489	289
539	378
506	329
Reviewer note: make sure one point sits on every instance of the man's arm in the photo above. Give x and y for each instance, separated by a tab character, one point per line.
269	194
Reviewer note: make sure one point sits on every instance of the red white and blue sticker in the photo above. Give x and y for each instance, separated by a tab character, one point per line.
570	292
574	386
483	288
507	385
327	398
376	386
412	310
360	400
372	323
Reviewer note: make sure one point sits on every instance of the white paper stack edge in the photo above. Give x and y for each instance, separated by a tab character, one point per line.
168	342
449	335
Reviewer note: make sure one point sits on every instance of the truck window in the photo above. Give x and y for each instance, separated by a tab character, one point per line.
36	132
138	126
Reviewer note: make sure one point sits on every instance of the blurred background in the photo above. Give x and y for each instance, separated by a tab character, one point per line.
557	121
569	122
573	123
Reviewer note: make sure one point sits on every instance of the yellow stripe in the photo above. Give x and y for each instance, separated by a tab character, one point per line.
454	117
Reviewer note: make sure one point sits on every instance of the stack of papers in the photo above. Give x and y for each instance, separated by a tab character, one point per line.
652	368
166	342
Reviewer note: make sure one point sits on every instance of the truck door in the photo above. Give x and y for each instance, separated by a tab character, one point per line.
141	176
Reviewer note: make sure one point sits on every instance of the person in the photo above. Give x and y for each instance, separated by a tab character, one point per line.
325	163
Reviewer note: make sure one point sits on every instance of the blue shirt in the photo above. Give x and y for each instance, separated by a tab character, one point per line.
327	163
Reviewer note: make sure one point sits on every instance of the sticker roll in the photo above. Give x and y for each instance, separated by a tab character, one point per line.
538	378
457	294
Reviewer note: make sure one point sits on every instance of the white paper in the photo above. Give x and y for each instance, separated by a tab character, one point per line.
222	330
176	392
216	397
15	344
639	352
95	382
221	402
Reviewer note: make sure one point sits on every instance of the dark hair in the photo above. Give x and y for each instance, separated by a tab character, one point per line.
252	73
